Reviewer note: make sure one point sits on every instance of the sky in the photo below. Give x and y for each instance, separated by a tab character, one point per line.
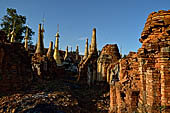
116	21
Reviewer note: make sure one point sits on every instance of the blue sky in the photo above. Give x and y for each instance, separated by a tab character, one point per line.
116	21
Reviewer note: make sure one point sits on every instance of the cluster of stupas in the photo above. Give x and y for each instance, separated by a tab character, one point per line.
139	82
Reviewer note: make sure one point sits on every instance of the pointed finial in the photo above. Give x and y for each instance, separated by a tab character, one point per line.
14	24
13	32
77	52
26	33
42	31
89	49
71	48
58	28
57	34
26	38
77	47
43	20
40	45
9	32
50	53
86	50
93	49
66	53
42	28
121	50
56	50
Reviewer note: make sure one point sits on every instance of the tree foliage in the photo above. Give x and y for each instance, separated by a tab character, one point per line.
20	25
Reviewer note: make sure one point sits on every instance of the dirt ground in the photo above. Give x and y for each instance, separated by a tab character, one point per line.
64	95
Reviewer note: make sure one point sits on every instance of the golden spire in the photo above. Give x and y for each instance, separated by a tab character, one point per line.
56	50
9	33
86	50
40	48
57	34
93	48
93	41
42	30
77	53
66	54
26	39
13	34
89	50
50	53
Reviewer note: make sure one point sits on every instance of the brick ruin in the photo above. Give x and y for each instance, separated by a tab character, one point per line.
124	84
88	65
109	54
15	66
142	78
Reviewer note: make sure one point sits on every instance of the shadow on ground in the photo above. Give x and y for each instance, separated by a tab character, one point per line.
63	95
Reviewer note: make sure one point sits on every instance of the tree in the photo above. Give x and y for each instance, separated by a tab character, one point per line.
18	22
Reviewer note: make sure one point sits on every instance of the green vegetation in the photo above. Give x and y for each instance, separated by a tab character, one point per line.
17	22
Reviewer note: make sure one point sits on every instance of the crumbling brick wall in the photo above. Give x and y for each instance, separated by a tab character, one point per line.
125	85
154	63
143	84
15	66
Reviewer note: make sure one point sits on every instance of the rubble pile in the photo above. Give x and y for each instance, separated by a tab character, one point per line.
59	96
28	103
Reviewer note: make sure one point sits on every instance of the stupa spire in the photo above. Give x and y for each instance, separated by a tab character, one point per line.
66	54
40	48
50	49
26	39
93	49
86	50
56	50
13	34
77	53
42	33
